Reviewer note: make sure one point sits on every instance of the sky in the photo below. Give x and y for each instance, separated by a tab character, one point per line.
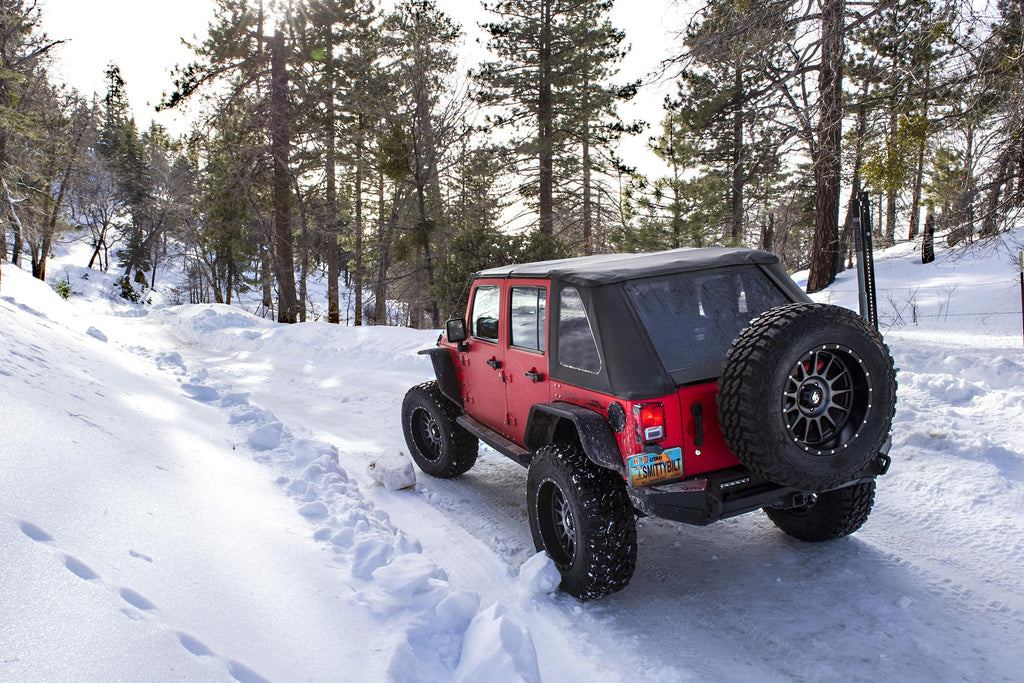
145	40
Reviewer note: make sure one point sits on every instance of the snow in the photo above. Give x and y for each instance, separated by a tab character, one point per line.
191	492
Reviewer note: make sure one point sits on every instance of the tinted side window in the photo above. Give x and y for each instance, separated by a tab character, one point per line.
529	317
483	319
577	347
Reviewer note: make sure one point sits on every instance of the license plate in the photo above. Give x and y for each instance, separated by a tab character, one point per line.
653	468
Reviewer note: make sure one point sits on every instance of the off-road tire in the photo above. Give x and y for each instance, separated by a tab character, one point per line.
439	446
829	515
807	396
581	515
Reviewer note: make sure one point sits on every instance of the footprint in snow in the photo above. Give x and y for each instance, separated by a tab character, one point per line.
80	569
34	532
238	671
136	600
193	645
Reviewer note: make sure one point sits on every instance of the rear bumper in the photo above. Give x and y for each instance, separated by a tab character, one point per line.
723	494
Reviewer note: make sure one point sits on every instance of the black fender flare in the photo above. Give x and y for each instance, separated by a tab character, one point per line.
595	434
444	371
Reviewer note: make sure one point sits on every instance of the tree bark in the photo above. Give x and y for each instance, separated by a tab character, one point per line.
735	236
825	242
915	202
284	260
890	194
18	230
545	124
380	291
588	218
928	241
357	275
331	200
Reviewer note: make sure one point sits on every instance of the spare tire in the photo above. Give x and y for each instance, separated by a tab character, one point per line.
807	396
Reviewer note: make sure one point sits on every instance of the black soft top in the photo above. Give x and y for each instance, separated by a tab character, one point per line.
606	269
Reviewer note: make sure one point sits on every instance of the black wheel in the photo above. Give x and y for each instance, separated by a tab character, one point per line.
581	515
807	395
828	515
440	447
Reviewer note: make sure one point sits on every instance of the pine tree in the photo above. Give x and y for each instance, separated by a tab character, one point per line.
549	84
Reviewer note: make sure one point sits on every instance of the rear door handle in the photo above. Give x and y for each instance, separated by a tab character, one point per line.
535	376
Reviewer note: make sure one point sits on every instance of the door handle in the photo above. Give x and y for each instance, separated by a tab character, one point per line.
535	376
494	363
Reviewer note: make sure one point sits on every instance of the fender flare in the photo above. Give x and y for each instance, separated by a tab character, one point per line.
594	432
444	371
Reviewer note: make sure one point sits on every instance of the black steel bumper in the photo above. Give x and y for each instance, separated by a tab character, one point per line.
710	497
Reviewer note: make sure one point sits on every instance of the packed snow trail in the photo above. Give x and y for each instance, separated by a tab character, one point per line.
211	513
137	509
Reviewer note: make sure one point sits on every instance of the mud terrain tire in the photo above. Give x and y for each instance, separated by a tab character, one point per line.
440	447
581	515
807	395
829	515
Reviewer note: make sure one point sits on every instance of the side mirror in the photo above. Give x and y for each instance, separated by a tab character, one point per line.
455	330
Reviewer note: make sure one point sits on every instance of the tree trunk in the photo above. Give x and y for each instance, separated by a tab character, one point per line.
380	289
545	124
284	260
331	200
768	232
357	275
890	193
915	201
825	242
587	214
266	256
928	241
735	235
15	220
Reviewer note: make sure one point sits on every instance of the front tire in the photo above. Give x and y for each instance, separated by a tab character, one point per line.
581	515
827	516
439	446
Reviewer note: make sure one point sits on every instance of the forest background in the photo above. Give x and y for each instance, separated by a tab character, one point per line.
345	141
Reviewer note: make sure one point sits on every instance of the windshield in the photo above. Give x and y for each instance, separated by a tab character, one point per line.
692	318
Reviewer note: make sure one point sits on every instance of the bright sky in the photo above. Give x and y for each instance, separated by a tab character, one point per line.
144	38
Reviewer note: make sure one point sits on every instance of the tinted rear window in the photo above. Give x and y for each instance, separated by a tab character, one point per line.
692	318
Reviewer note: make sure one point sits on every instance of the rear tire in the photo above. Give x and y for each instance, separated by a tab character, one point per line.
439	446
829	515
581	515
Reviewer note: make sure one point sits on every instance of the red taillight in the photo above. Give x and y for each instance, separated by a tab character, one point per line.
650	422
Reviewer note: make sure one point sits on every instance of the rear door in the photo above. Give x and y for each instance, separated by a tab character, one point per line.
526	357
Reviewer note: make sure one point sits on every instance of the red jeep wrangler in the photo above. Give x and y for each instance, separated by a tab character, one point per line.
692	385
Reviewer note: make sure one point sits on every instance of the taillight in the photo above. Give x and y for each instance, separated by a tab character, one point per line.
649	419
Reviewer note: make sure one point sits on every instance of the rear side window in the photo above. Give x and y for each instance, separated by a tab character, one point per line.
529	317
693	318
577	347
484	315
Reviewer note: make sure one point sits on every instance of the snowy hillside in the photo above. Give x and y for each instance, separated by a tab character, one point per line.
195	493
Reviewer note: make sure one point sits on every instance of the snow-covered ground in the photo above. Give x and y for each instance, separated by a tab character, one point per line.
195	493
